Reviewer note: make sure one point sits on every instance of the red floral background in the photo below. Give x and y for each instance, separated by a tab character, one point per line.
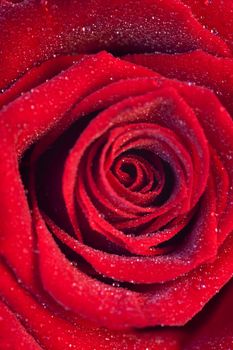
116	171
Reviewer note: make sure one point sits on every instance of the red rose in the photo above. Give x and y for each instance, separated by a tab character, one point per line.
116	173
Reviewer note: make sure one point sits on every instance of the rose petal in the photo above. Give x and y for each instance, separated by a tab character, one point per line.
58	329
57	28
12	334
197	67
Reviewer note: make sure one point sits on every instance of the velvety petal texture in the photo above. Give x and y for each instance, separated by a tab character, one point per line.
116	175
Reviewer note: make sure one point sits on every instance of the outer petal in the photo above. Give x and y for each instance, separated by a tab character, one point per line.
207	12
12	334
213	329
33	31
174	302
195	67
58	329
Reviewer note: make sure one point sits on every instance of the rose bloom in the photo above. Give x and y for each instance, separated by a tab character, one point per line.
116	172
